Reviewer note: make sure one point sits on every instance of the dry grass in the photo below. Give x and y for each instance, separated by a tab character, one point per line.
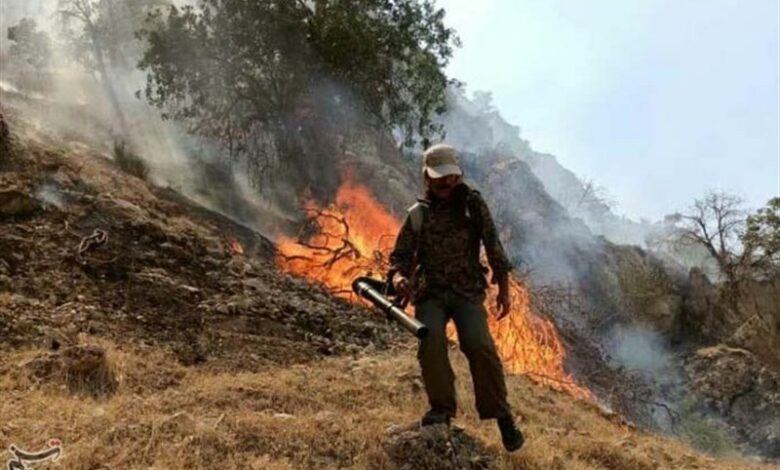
329	414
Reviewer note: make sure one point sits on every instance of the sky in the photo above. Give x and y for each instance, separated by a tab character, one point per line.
656	100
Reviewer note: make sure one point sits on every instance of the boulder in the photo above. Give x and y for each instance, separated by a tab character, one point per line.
734	383
16	203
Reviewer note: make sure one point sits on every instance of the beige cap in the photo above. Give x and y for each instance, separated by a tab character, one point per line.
441	160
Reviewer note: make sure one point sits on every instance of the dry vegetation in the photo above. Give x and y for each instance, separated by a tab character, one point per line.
333	413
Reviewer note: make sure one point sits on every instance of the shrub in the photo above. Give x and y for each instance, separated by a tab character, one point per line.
704	433
128	161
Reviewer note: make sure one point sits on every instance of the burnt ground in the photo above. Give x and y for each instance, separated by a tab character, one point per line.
88	250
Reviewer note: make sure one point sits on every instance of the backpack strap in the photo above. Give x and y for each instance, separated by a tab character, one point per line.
472	211
417	215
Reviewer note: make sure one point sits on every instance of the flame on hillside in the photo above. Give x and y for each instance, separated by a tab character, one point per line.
349	238
236	248
354	235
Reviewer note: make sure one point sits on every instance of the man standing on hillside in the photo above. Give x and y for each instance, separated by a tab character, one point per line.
435	263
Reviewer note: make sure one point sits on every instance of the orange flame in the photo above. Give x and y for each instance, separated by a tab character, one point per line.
351	237
236	248
354	235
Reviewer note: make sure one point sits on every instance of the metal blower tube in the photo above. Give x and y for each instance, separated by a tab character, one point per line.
364	288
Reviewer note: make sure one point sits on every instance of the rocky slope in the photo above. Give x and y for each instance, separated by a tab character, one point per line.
105	253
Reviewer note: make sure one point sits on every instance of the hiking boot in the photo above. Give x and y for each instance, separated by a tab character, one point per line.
510	435
435	417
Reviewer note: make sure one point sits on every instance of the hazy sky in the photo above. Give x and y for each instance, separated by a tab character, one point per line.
657	100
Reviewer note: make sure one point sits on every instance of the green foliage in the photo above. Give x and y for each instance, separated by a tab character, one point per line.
30	55
230	71
643	283
29	45
236	70
128	161
392	52
762	238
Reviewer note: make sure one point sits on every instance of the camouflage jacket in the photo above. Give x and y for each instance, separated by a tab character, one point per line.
447	252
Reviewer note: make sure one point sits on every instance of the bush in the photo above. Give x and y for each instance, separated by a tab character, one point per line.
128	161
643	282
703	433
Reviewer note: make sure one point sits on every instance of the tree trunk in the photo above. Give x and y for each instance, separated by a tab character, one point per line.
105	79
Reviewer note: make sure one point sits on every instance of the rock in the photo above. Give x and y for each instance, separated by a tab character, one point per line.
16	203
746	393
324	415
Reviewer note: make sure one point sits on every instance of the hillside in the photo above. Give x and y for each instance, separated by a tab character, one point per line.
144	331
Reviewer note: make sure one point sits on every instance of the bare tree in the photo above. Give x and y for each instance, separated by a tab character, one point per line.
588	197
717	223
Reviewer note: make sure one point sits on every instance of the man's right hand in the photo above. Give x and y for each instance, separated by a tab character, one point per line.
402	287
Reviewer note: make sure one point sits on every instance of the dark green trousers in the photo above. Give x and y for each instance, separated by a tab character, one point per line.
487	373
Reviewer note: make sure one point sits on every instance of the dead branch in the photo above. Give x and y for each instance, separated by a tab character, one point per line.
88	243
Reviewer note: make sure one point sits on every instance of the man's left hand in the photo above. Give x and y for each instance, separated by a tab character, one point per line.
503	300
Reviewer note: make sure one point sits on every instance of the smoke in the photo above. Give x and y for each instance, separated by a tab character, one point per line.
98	108
609	289
49	195
639	349
477	127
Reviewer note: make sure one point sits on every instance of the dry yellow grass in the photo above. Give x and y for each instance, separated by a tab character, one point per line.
329	414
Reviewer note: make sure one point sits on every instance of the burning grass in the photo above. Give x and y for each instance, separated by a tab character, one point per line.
329	414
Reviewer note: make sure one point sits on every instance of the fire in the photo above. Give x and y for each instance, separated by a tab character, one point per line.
236	248
529	344
350	237
354	235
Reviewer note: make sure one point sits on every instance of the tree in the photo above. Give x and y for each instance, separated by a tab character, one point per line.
762	239
585	197
102	37
392	53
90	46
105	30
717	223
30	54
266	76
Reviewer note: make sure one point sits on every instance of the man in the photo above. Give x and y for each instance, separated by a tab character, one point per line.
435	263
